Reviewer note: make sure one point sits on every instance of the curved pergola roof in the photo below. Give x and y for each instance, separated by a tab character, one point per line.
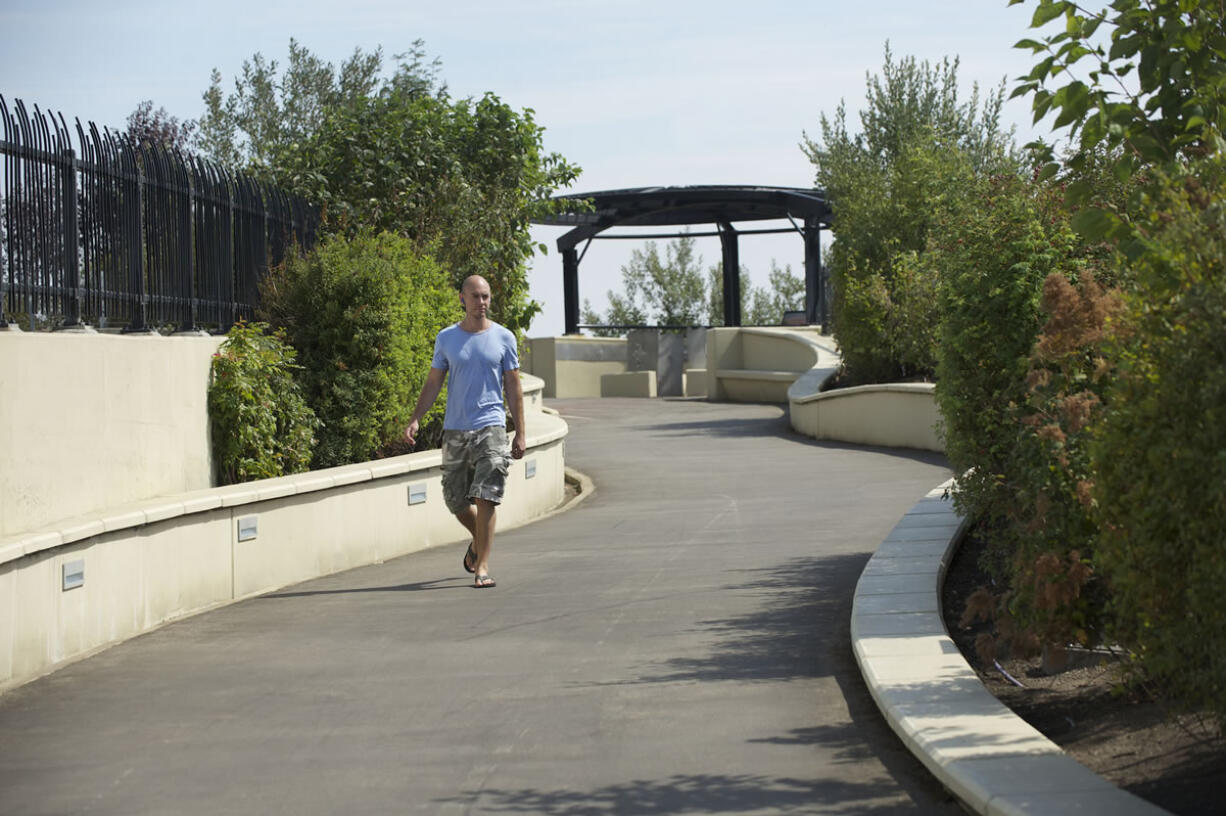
685	206
721	205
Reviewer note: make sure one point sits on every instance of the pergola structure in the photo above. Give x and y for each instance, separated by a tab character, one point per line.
721	205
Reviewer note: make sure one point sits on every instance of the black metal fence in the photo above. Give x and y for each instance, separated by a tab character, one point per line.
136	236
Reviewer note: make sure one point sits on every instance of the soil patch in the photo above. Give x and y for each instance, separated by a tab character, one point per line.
1178	763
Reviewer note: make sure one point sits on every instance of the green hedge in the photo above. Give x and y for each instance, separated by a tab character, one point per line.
362	313
259	423
1160	447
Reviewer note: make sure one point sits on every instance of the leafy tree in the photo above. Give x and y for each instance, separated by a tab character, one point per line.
715	295
363	314
1159	447
255	124
149	127
461	178
1155	96
260	425
672	292
760	305
785	292
918	150
665	291
1149	110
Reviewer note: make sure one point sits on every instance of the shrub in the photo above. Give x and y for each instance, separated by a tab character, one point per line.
919	149
362	313
260	424
994	258
1054	596
1160	447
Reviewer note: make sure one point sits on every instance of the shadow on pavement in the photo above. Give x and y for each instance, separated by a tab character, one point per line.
700	793
798	630
420	586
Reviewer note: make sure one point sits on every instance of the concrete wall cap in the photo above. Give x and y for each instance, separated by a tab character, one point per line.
903	388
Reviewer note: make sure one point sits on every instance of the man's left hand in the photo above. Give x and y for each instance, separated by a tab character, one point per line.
518	445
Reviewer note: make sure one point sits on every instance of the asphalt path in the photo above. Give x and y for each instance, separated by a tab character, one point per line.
675	644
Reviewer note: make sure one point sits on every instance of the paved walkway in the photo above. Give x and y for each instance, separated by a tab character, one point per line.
676	644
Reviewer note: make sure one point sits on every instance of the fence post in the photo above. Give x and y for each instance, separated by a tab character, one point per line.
69	266
136	256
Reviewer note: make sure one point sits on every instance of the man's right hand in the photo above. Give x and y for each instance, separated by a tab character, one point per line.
410	433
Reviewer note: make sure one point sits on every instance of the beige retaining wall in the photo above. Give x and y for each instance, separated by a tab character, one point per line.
897	415
572	366
791	365
90	421
759	365
155	560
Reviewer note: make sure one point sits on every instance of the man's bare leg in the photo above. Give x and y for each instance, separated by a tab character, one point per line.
483	535
480	522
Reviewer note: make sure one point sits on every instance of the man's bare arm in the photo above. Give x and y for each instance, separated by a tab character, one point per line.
429	393
515	404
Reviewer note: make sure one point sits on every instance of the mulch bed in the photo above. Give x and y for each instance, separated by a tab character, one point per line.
1178	763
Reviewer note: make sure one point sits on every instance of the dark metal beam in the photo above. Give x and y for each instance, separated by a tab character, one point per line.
814	295
570	288
732	274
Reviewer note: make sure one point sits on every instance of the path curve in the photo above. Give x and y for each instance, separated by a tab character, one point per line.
679	643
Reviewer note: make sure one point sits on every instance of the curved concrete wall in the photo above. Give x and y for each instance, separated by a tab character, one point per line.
791	365
759	365
573	366
89	421
155	560
898	415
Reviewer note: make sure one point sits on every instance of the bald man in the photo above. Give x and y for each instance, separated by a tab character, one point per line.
479	361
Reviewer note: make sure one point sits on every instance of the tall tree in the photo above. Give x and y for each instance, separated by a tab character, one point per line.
667	291
462	178
146	126
269	110
918	147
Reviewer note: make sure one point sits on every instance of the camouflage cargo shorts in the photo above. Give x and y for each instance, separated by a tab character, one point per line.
475	465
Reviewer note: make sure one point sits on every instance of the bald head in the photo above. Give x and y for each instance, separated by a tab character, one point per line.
475	298
474	283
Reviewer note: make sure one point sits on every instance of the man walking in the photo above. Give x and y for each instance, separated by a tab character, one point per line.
482	361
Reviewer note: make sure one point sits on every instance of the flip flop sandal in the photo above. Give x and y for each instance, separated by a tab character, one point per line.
484	582
470	566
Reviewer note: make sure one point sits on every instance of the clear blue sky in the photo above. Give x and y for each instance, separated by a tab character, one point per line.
637	93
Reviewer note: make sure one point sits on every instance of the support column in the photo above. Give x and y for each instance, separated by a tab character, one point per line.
815	299
732	274
570	289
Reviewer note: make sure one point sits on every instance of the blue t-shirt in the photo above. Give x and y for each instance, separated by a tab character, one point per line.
474	364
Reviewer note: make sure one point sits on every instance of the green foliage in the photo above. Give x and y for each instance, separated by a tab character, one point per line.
268	111
715	296
913	315
1146	118
673	292
363	313
463	177
149	127
1160	447
784	292
918	151
994	257
665	291
1156	94
259	422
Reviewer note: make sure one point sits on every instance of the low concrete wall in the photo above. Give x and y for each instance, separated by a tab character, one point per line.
92	421
791	365
573	366
629	384
897	415
156	560
759	365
